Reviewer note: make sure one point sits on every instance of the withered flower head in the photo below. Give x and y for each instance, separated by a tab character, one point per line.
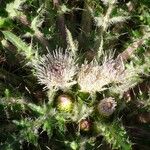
106	107
90	77
113	70
56	70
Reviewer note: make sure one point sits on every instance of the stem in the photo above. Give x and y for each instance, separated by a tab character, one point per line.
107	17
102	30
100	49
51	94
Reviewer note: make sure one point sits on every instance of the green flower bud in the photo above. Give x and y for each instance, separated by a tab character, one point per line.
64	103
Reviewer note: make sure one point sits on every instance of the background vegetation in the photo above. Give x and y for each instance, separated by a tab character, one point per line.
94	32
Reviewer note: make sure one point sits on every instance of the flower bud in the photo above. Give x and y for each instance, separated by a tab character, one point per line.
106	107
64	103
85	125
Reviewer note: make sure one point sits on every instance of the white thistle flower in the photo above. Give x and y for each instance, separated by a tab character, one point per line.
90	78
107	106
56	70
93	77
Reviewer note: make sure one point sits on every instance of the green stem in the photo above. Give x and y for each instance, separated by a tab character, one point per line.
103	29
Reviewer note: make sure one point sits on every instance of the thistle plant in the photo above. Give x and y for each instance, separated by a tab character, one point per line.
74	74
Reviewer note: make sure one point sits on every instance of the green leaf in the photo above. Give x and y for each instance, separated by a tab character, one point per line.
118	19
36	108
115	134
22	46
12	8
73	145
5	23
47	126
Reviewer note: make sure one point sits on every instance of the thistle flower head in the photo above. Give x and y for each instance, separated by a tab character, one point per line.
56	70
90	78
107	106
113	70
